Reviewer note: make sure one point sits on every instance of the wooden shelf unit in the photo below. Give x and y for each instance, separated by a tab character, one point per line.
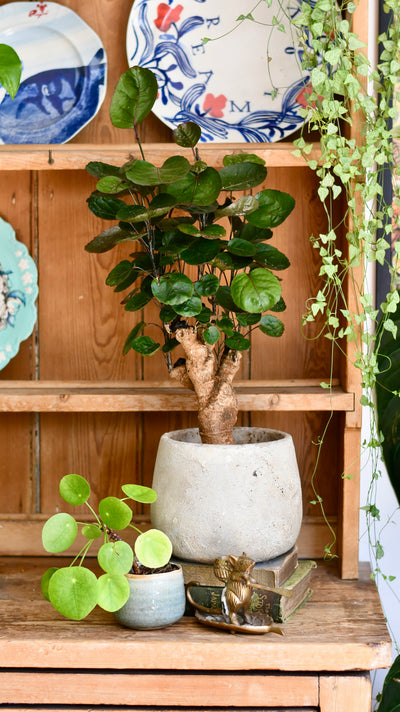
69	401
321	663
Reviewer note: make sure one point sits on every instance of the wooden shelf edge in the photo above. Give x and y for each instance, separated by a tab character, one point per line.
70	397
21	535
75	156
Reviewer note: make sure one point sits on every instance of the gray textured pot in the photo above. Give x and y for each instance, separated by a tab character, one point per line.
215	500
155	600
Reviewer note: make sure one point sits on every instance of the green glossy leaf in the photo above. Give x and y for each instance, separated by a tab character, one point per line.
390	697
59	532
144	345
137	301
10	69
269	256
109	238
274	207
113	591
175	168
73	591
280	305
133	335
153	549
187	134
167	314
241	247
170	345
210	231
133	98
45	580
242	176
243	206
201	251
114	513
115	557
226	325
191	307
233	158
248	319
111	185
257	291
140	493
74	489
204	316
253	233
197	189
211	335
224	299
91	531
207	285
120	273
98	169
172	288
237	342
271	325
104	207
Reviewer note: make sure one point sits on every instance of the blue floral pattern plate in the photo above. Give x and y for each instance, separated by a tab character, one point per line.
63	80
245	84
18	292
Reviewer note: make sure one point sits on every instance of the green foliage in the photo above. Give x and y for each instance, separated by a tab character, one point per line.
388	396
10	69
198	233
389	700
75	590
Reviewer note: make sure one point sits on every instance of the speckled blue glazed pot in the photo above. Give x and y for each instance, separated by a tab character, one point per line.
155	601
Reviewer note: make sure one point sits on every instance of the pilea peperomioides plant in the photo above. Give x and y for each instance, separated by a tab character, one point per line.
202	254
74	590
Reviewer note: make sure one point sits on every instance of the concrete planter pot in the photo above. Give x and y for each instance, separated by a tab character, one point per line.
215	500
155	600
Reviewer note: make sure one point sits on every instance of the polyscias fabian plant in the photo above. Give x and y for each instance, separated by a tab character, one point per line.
75	590
202	254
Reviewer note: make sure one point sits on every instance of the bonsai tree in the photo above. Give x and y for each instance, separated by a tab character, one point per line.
202	254
75	590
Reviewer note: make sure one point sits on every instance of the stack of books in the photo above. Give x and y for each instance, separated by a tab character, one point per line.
285	572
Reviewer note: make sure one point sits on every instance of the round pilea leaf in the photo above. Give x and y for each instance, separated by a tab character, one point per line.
257	291
45	580
74	489
91	531
59	532
153	549
74	591
140	493
115	557
114	513
113	592
187	134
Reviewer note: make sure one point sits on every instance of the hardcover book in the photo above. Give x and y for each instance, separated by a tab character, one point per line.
271	573
278	606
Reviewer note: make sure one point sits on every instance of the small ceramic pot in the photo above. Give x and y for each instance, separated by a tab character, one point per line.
155	600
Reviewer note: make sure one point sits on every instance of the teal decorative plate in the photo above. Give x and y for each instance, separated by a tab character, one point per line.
18	292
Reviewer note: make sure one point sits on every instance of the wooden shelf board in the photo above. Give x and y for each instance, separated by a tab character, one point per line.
341	628
74	156
66	396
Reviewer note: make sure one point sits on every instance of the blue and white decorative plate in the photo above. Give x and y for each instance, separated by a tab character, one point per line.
18	292
246	84
64	69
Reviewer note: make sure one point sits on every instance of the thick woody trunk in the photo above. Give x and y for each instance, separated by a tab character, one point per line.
217	403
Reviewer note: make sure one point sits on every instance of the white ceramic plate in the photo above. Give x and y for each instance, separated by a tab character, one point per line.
244	85
64	70
18	292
